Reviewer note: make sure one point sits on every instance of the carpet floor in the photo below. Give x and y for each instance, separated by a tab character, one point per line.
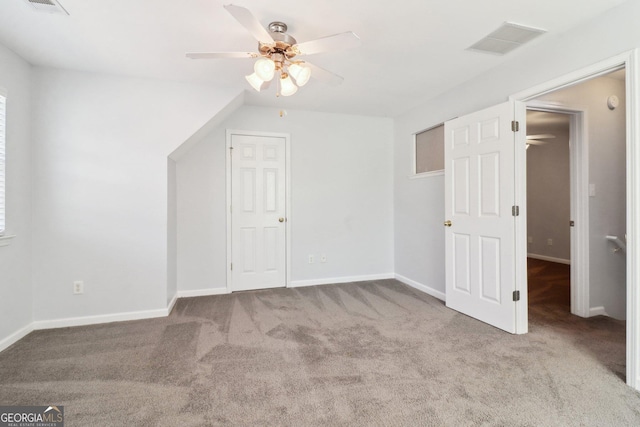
368	353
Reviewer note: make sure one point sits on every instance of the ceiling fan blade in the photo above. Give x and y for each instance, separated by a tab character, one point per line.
324	75
536	142
340	41
541	136
218	55
250	22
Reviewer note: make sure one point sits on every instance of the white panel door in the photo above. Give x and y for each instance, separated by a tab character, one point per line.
479	195
258	197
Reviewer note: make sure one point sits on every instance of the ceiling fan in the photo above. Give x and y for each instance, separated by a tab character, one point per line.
278	51
539	139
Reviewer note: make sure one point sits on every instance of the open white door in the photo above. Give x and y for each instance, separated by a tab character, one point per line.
480	200
258	212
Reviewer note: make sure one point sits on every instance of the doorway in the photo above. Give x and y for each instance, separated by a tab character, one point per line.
258	198
548	212
628	61
585	123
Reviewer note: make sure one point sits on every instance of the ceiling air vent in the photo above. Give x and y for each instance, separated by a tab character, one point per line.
506	38
51	6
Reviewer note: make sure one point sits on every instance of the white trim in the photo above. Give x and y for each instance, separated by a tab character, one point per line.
520	277
633	219
228	207
172	304
629	60
549	258
344	279
414	157
421	287
427	174
597	311
102	318
288	215
15	337
202	292
287	138
3	167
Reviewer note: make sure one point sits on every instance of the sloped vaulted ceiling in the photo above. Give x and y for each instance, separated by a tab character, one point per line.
411	50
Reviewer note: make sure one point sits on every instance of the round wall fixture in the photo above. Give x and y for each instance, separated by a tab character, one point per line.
613	102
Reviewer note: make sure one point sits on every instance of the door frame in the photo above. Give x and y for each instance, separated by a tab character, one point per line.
579	200
630	61
287	223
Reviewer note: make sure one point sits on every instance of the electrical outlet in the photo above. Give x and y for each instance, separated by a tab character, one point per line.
78	287
310	259
550	242
323	258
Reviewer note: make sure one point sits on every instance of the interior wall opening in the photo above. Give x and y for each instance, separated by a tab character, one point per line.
548	211
576	212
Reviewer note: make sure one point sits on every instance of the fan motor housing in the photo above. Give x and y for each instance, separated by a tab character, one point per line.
283	41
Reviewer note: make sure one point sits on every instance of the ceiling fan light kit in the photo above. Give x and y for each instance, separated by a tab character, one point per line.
265	69
287	87
276	57
276	52
255	81
301	73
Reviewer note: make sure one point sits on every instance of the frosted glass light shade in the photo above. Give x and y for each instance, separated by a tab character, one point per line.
301	73
255	81
265	69
287	87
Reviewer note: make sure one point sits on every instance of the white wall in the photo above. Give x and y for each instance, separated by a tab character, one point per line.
342	197
15	260
100	187
549	196
419	204
607	171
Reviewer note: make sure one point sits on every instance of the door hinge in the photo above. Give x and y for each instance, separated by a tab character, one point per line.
231	208
515	210
572	223
230	150
515	125
516	295
231	266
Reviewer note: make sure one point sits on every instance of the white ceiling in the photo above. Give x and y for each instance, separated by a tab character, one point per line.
411	50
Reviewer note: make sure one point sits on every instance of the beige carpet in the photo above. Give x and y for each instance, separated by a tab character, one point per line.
370	353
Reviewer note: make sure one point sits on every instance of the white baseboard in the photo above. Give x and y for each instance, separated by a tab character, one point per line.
424	288
549	258
172	304
597	311
345	279
16	336
105	318
202	292
150	314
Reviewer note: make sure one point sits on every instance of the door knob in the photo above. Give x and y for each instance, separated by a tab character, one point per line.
447	223
281	219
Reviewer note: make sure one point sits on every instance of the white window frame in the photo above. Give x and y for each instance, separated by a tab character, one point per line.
414	157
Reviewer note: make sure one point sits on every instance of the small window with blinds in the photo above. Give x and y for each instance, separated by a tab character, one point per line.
429	152
3	165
